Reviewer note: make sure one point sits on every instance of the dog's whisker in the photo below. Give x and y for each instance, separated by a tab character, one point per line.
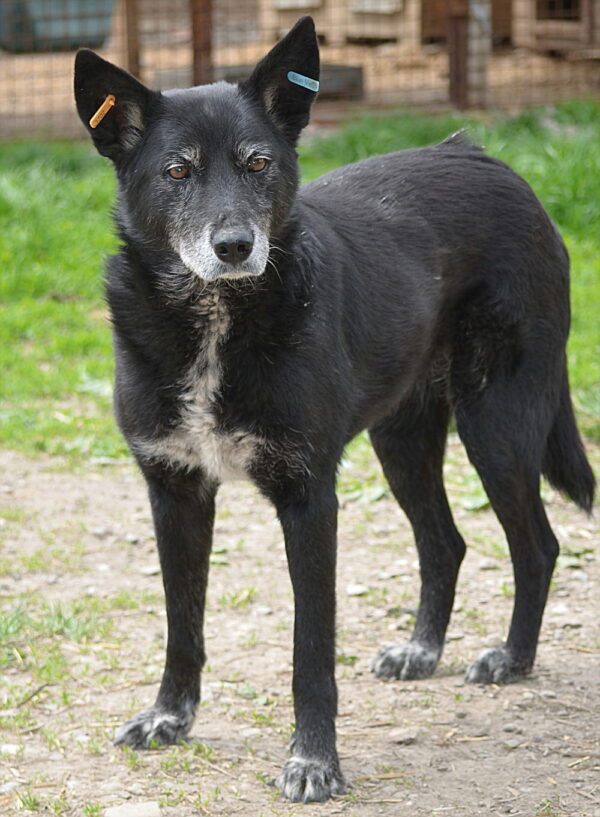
273	265
278	248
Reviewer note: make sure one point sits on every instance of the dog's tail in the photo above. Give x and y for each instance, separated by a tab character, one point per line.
565	464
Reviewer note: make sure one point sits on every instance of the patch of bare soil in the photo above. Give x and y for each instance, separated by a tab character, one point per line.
82	543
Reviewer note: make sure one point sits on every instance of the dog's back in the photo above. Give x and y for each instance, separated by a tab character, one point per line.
439	256
449	210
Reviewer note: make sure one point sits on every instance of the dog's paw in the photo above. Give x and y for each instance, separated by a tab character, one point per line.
494	666
152	726
405	661
304	780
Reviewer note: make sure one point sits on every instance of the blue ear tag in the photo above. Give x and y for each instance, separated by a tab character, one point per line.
304	82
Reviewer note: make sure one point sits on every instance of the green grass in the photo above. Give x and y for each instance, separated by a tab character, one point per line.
28	628
55	203
55	347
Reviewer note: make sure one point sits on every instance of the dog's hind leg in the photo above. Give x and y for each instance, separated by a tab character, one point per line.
410	446
504	430
183	508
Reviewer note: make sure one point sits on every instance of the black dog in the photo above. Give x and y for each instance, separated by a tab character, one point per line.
257	329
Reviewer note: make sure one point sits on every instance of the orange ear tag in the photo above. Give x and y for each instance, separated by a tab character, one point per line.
102	111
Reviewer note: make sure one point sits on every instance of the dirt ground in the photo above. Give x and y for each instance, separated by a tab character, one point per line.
82	539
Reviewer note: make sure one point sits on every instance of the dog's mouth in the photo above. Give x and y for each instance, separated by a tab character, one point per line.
234	274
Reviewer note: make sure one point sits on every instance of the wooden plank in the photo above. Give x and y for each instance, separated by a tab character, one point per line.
132	37
201	14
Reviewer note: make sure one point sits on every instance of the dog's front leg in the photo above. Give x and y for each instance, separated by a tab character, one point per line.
309	526
183	508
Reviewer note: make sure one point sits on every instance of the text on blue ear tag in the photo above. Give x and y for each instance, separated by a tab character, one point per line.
305	82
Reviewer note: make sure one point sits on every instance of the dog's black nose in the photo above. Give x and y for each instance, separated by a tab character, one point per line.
233	246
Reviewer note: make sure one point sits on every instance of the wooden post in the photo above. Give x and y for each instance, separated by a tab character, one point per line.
589	22
458	27
132	37
479	49
202	67
469	48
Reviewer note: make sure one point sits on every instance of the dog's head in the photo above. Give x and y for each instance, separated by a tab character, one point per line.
208	173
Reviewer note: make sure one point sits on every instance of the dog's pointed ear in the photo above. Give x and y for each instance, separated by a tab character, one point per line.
286	100
122	126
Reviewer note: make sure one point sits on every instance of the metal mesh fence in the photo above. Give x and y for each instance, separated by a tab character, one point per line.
434	53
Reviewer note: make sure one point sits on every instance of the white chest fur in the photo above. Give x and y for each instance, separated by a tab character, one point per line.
196	442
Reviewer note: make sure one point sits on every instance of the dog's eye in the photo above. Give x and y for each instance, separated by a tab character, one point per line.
257	164
178	172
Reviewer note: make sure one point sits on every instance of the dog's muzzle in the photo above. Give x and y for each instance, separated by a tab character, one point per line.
225	252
